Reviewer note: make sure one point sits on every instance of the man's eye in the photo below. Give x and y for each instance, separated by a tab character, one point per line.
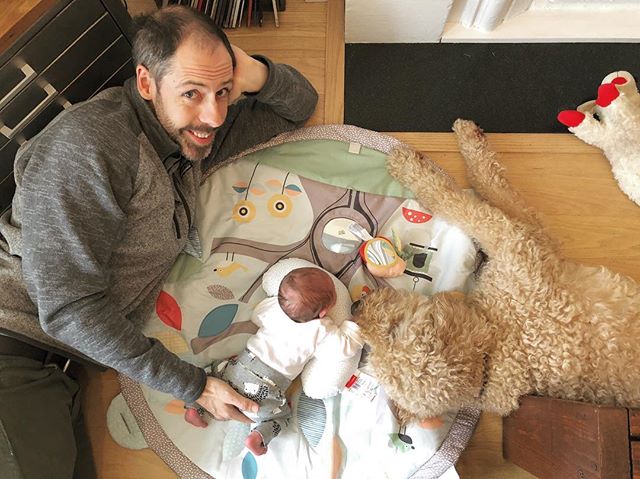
190	94
222	93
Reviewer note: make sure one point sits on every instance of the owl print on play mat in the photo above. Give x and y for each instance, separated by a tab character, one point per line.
270	214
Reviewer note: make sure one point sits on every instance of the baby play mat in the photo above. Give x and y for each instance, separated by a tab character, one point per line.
294	197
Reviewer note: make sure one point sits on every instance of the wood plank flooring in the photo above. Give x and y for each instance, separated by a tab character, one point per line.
568	181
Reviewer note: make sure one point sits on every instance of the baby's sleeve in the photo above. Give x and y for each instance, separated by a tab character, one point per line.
258	313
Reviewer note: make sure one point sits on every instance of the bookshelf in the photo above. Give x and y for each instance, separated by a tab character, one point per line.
234	13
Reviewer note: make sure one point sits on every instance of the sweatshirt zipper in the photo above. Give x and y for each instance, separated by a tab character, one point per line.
171	170
176	224
187	211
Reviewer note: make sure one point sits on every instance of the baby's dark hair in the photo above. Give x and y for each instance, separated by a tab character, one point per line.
305	292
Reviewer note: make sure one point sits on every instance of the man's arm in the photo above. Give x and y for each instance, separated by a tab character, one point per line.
287	93
284	102
75	197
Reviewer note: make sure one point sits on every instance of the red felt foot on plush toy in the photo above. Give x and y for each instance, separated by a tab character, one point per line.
570	118
607	92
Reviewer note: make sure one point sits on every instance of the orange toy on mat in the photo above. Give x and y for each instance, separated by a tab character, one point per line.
379	254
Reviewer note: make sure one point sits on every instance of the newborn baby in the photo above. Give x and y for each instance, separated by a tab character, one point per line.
292	327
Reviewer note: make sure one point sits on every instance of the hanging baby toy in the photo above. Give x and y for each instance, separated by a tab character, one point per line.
381	257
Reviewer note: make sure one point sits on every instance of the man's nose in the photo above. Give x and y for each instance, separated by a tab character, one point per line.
213	113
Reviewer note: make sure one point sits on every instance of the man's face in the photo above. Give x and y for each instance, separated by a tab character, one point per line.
192	98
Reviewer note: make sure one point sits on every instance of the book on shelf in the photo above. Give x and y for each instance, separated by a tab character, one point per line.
234	13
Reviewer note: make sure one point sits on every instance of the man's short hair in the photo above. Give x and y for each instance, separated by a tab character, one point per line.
157	36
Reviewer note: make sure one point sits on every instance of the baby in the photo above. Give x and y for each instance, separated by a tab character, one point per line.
292	327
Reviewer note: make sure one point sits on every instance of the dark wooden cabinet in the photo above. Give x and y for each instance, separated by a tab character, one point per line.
70	52
552	438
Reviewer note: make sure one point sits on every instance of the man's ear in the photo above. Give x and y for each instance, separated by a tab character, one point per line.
145	83
323	312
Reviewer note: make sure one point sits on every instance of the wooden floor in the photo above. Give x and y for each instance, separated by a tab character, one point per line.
569	182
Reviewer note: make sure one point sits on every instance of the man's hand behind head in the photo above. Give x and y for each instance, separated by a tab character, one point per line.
249	75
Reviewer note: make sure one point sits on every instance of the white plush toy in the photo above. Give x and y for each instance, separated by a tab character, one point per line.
323	376
616	130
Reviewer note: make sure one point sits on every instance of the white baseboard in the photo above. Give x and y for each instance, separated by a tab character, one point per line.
620	24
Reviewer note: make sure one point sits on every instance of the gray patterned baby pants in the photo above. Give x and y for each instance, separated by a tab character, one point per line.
252	378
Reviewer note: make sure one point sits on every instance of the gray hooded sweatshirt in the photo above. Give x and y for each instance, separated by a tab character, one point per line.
103	204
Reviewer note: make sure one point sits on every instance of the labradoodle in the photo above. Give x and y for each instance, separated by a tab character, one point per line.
534	323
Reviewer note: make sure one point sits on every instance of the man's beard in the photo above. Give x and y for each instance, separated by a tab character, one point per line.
188	149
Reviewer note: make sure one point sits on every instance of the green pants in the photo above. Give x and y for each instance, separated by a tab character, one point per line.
42	432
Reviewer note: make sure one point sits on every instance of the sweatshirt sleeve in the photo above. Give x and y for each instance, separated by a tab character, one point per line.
285	102
73	217
287	93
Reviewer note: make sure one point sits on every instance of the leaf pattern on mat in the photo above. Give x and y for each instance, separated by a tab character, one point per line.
172	341
175	406
249	467
168	310
220	292
312	418
233	443
339	457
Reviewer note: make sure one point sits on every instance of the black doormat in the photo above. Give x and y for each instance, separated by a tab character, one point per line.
504	87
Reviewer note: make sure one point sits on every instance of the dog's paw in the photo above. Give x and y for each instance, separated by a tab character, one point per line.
471	140
483	169
405	165
419	174
467	130
468	133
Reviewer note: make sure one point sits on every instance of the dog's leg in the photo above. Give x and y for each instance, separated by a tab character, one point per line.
438	193
486	174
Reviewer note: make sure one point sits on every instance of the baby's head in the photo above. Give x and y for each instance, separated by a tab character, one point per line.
306	294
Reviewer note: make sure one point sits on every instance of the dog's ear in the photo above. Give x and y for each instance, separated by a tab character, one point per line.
379	313
403	416
426	352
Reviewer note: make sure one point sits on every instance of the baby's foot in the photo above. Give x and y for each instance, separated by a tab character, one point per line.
254	443
195	416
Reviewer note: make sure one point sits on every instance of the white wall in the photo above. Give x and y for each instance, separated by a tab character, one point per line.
589	3
485	15
395	21
427	21
557	21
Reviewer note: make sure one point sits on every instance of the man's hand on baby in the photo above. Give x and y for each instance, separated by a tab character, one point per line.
223	402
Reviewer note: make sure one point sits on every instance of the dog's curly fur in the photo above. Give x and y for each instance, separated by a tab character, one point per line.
533	324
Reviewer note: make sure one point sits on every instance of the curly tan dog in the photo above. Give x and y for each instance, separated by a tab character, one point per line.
533	324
